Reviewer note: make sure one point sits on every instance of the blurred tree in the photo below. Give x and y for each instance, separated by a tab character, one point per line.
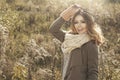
10	1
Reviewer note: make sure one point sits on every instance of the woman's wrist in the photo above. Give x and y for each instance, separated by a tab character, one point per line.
62	18
65	18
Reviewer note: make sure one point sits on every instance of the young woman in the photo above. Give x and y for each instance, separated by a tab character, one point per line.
79	45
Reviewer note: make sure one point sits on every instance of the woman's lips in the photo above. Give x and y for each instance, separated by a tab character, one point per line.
80	29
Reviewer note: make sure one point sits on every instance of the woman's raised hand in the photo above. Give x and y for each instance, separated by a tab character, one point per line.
69	12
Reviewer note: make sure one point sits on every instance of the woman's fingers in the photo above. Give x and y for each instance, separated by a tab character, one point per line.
76	6
69	12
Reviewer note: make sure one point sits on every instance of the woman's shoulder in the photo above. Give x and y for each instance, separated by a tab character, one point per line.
90	47
90	44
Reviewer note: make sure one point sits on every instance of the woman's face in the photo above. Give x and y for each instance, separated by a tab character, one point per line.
80	24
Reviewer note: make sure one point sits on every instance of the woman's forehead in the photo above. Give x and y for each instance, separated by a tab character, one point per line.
78	17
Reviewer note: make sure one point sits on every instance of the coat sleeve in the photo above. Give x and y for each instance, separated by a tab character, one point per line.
92	62
55	29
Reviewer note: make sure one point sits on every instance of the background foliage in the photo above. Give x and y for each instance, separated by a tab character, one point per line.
29	52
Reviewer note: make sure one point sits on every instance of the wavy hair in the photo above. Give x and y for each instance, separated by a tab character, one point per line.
93	30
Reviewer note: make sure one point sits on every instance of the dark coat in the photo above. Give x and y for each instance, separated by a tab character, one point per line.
83	63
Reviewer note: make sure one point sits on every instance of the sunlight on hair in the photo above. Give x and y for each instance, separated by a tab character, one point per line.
98	29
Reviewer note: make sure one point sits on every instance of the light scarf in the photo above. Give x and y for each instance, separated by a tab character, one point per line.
72	41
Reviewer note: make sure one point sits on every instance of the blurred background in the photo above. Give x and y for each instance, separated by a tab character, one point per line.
29	52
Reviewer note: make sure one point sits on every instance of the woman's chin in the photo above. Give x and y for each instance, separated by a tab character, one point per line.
81	32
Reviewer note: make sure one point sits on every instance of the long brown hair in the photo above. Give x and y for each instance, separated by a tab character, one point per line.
93	30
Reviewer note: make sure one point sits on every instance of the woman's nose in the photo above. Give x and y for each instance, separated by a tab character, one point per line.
79	24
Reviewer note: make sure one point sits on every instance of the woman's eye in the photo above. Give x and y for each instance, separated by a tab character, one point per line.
82	21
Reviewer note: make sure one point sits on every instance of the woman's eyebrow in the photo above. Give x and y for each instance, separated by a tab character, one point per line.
82	20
